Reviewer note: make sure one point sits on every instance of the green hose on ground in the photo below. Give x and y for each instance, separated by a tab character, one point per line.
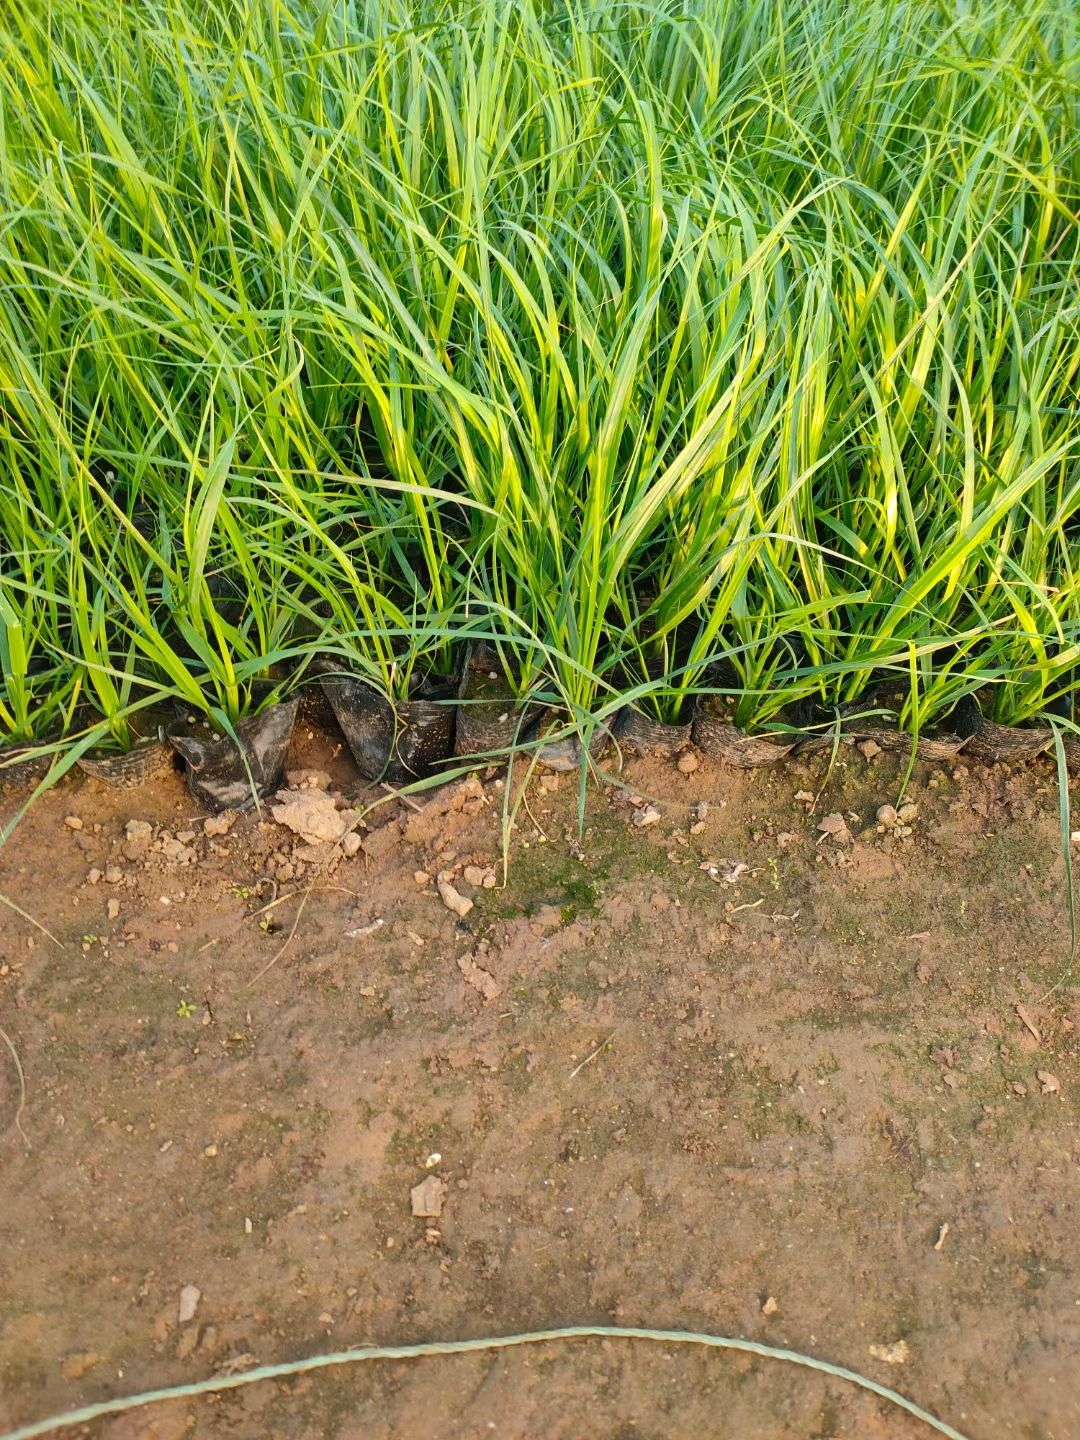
462	1347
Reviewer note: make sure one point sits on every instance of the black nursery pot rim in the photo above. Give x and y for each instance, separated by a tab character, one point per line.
180	725
969	715
991	742
126	769
18	764
640	732
397	742
232	774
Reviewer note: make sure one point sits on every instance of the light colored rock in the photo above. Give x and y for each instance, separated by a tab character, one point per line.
220	824
453	899
895	1354
887	815
868	749
113	908
190	1296
646	816
351	843
73	822
907	812
687	763
113	874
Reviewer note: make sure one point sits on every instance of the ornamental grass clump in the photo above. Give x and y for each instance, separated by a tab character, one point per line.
672	351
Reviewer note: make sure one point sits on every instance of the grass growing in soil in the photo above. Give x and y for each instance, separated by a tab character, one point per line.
668	346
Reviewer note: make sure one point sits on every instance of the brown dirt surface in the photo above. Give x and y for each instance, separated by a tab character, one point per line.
733	1074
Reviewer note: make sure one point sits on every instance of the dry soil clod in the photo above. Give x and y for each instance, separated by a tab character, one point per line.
834	827
428	1198
313	816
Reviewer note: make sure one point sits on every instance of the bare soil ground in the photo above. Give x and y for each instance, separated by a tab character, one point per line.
821	1101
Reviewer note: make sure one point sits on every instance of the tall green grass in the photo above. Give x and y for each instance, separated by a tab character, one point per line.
674	347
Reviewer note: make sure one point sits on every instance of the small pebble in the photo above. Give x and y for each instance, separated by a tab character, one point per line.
210	1152
887	815
73	822
687	763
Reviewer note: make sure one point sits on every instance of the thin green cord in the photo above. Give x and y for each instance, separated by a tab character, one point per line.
461	1347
